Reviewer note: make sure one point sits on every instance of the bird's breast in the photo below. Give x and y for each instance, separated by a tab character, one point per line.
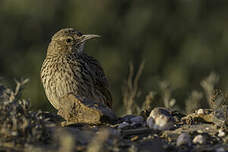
64	75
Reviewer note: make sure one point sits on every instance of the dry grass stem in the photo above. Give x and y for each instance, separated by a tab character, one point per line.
208	85
166	94
131	90
193	101
148	101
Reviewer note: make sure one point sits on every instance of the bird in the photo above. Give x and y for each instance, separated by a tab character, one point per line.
67	69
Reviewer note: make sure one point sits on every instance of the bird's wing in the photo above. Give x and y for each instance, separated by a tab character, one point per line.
100	80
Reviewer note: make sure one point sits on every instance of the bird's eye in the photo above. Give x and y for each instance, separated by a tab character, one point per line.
79	34
69	40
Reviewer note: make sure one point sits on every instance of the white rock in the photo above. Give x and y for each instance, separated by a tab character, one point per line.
160	119
163	123
200	111
221	133
199	139
200	131
14	133
183	139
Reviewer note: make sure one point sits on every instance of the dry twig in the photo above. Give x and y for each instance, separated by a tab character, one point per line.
130	90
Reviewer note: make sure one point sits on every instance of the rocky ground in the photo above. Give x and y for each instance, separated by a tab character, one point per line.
158	130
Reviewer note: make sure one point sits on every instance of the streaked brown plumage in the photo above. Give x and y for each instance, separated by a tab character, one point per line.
68	69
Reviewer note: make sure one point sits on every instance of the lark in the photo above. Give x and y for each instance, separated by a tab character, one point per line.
67	69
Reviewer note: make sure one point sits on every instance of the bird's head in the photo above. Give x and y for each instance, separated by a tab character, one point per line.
67	41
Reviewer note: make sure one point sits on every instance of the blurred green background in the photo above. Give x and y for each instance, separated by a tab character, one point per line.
181	41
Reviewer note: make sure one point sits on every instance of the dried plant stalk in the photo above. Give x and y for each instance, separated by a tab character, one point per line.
130	89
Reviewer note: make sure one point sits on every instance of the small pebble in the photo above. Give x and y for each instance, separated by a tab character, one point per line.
163	123
200	112
221	149
200	131
123	125
199	139
14	133
221	133
183	139
160	119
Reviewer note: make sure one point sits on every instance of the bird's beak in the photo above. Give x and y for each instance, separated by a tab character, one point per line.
86	37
